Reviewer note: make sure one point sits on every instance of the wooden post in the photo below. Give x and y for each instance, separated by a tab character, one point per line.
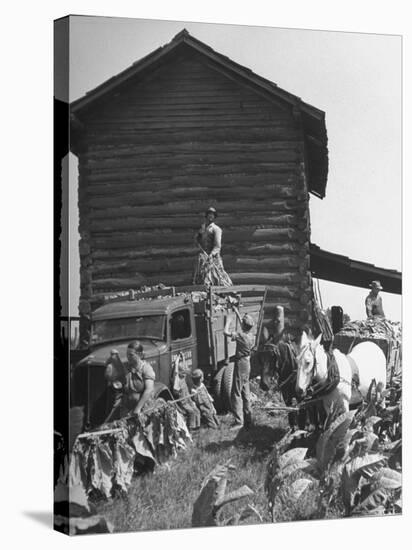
278	322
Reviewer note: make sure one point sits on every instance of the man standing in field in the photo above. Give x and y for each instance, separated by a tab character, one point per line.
373	302
241	389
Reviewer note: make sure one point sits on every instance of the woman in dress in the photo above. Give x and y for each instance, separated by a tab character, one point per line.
132	382
209	267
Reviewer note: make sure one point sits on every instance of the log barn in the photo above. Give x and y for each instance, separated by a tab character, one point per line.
182	129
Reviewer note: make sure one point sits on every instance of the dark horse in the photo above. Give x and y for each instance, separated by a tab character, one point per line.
279	368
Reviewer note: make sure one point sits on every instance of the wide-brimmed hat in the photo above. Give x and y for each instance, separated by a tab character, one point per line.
376	284
211	209
248	320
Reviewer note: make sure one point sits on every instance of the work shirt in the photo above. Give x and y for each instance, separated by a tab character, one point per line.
201	396
244	344
129	389
210	238
373	306
136	377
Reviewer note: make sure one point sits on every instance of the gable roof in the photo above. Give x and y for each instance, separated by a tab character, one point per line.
313	119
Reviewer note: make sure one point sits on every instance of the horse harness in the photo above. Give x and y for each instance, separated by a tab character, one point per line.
320	389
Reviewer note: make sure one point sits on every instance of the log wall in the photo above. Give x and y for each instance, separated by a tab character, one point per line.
162	150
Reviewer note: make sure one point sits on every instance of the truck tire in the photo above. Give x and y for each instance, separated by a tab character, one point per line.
227	386
217	391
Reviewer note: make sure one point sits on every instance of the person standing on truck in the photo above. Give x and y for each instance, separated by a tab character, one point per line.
135	388
373	302
209	268
241	389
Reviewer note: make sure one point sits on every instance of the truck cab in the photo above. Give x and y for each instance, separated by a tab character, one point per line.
188	324
165	327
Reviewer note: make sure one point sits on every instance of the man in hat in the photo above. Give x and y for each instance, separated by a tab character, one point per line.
241	389
209	267
373	302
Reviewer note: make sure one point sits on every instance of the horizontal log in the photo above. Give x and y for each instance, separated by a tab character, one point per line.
182	83
165	94
170	159
195	106
152	127
153	100
189	222
102	151
127	116
144	252
273	279
200	111
167	264
192	170
161	252
175	88
211	86
272	249
194	132
238	235
282	200
205	135
184	278
215	183
165	193
133	199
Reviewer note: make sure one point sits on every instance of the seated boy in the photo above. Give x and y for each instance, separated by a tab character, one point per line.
203	400
181	391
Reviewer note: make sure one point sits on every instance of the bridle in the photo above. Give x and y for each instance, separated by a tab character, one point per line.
313	369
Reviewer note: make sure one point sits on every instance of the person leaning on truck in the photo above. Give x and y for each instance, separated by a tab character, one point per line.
241	389
135	388
373	302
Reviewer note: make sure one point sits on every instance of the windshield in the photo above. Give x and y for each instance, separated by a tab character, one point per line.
150	326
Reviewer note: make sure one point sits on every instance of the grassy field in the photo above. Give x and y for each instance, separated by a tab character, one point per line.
164	499
355	470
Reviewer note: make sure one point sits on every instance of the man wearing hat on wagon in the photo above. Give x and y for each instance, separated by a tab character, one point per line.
209	267
241	389
373	302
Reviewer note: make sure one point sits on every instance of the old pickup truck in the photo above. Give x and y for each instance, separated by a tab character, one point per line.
170	322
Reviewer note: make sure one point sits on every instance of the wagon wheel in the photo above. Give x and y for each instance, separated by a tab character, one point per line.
227	386
217	391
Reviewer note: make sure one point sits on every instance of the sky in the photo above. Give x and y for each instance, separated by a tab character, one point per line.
355	78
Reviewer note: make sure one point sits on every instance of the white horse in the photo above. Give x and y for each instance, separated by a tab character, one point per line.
367	358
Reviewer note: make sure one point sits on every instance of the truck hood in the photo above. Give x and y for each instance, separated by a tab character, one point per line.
152	350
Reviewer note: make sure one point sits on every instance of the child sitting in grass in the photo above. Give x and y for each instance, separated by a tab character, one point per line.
203	400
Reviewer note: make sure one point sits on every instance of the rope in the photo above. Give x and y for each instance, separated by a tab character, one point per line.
319	294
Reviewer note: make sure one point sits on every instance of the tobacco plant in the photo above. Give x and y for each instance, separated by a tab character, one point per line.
355	470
